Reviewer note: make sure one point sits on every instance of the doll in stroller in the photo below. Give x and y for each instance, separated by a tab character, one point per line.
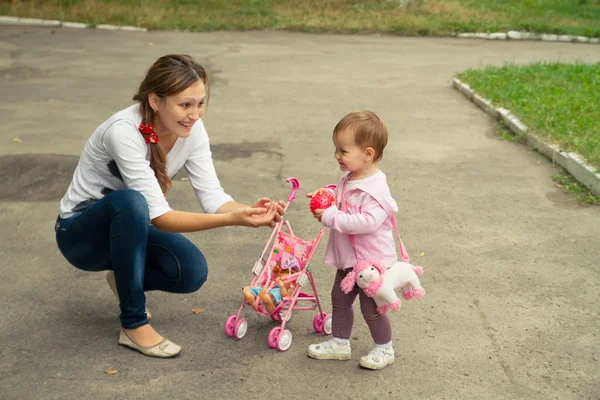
284	286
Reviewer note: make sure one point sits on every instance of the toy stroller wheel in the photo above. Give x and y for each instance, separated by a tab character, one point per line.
327	325
284	341
240	328
318	322
273	335
230	325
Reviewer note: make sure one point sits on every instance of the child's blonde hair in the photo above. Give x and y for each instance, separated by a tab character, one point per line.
368	129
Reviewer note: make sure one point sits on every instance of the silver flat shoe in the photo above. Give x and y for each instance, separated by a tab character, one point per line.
164	349
110	279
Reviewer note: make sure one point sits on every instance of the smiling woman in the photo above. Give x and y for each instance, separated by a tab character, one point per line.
172	98
115	215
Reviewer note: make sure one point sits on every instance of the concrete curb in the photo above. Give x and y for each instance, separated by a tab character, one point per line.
518	35
6	20
512	35
574	163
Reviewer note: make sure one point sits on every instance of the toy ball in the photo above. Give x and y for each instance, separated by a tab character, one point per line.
321	200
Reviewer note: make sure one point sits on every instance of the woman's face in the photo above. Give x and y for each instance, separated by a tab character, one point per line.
176	114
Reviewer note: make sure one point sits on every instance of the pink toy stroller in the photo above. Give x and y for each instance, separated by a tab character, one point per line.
291	254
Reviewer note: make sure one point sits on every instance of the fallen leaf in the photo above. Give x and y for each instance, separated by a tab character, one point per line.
421	255
17	140
196	311
559	186
110	371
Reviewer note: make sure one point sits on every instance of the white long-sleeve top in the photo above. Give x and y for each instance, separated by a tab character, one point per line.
117	157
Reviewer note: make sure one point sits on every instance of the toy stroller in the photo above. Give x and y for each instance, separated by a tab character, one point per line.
279	277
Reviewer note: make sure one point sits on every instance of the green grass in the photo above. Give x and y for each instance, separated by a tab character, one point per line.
558	102
505	133
582	194
422	17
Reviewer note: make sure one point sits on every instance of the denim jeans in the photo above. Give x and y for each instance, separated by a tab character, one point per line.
114	233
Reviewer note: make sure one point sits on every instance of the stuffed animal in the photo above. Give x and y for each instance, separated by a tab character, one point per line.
380	282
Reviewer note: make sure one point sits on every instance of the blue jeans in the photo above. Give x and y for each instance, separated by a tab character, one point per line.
114	233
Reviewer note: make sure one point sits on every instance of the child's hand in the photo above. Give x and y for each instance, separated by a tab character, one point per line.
314	193
318	214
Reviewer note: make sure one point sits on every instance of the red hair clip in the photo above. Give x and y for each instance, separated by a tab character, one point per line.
149	133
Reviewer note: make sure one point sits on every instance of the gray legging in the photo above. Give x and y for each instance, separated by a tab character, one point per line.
343	314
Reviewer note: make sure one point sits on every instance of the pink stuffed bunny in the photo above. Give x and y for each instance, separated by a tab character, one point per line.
380	282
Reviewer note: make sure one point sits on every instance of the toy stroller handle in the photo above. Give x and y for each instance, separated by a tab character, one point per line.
295	187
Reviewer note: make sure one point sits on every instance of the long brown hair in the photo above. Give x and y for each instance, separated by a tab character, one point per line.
169	75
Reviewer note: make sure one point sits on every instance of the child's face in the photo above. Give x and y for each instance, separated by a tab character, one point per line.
348	154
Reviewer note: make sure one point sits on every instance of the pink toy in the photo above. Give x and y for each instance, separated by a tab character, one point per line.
380	282
288	253
321	200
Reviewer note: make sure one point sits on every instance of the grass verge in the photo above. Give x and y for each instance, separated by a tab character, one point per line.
419	17
559	102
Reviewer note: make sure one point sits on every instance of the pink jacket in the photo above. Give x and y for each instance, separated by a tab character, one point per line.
370	211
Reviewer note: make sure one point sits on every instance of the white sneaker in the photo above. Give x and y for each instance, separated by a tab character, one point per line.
330	350
378	358
110	278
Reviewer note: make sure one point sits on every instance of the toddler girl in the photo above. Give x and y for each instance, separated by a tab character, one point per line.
361	225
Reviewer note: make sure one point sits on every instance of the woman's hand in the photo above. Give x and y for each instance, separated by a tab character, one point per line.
255	217
265	202
261	203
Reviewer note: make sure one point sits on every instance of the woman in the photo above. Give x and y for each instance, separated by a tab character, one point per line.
115	216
